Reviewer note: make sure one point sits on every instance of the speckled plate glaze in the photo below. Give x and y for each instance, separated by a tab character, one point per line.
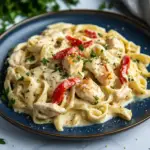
129	28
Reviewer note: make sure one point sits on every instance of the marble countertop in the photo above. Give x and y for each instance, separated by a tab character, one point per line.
136	138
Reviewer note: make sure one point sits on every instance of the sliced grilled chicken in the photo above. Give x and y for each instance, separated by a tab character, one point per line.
48	109
114	43
102	72
89	91
73	64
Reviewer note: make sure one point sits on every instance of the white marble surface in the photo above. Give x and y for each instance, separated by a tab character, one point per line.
137	138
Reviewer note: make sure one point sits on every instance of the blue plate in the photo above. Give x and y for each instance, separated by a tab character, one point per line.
129	28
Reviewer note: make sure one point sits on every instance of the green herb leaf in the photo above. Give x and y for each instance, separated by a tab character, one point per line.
81	47
3	98
100	35
2	141
93	54
44	61
75	60
11	103
80	74
6	91
27	73
106	46
102	6
56	7
57	68
9	9
87	60
4	94
130	78
136	60
32	58
102	51
64	75
21	78
96	99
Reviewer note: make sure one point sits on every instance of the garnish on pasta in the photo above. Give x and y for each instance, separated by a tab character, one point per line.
73	75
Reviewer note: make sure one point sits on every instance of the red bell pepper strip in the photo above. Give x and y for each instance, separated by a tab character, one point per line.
125	63
65	52
77	42
73	41
60	90
87	44
90	34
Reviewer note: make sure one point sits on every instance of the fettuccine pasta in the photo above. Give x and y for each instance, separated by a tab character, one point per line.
74	75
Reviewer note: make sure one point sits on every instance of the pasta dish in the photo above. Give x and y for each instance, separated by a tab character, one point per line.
74	75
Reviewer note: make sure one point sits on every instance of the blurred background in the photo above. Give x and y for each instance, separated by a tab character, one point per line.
13	11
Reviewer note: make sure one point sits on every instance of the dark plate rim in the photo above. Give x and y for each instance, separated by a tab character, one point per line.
138	24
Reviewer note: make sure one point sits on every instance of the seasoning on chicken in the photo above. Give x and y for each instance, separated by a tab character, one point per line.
89	91
103	72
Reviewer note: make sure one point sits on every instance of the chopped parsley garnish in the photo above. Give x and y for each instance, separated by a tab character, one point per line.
80	73
130	78
57	68
64	75
6	91
11	102
96	99
3	98
119	55
78	57
58	43
75	60
106	46
112	87
21	78
100	35
38	80
102	6
87	60
32	58
102	51
4	94
93	54
2	141
136	61
81	47
44	61
27	73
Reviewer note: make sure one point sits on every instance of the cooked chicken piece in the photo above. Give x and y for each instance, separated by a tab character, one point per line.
89	91
114	43
48	109
17	58
109	56
73	64
53	78
36	43
96	48
102	72
123	93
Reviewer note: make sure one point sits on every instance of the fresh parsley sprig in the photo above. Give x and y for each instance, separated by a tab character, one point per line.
2	141
10	9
